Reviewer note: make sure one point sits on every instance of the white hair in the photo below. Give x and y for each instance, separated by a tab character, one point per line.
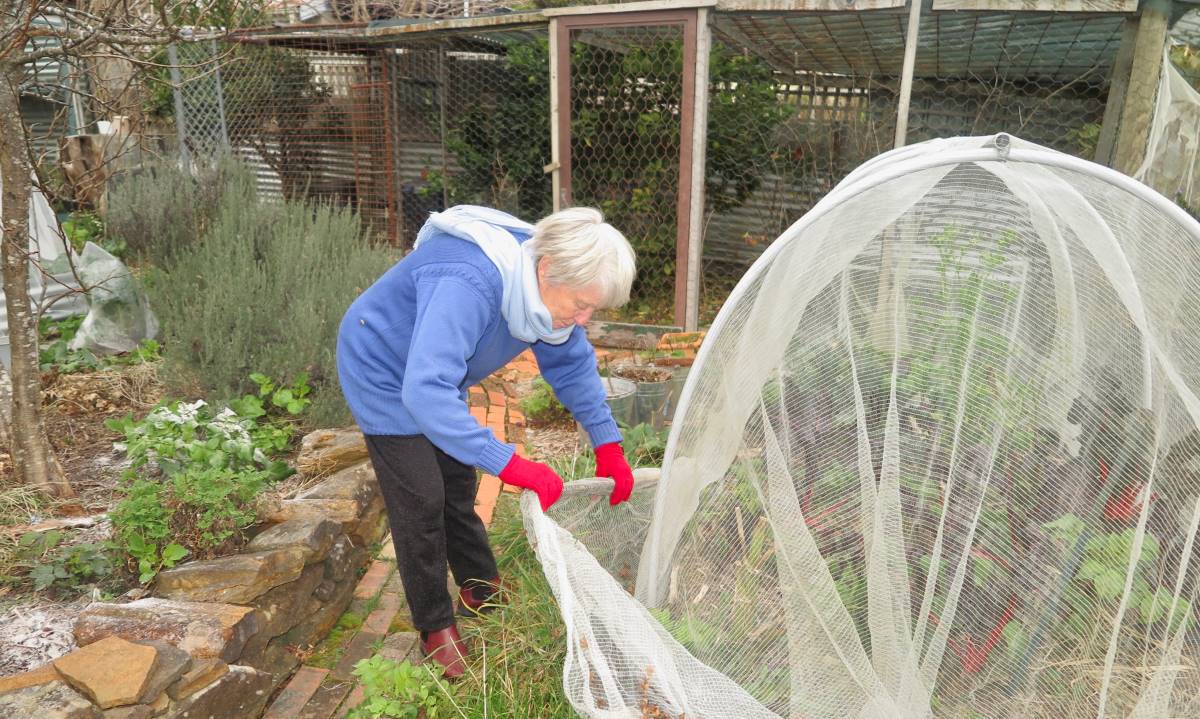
582	250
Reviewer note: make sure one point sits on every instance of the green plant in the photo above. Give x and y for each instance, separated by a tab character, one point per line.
645	446
56	354
398	689
176	434
85	227
145	212
1086	138
82	228
276	407
53	565
266	288
193	477
540	406
142	528
1102	575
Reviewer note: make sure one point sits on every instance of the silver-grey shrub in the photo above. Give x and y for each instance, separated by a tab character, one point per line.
159	209
264	291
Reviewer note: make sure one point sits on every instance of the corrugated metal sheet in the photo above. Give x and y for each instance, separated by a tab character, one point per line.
46	76
46	125
1052	45
1187	28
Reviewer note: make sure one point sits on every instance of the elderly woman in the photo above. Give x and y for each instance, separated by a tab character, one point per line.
480	287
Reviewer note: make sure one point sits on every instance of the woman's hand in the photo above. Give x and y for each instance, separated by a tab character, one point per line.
521	472
610	462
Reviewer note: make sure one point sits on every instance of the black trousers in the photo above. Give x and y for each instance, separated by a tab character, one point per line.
430	499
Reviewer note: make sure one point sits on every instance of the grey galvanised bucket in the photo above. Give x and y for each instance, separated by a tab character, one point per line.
652	396
621	396
652	401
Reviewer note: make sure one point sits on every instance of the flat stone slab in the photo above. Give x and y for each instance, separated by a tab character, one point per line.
240	692
329	450
201	629
236	579
343	511
202	673
355	483
52	700
288	604
112	672
173	663
344	559
32	678
314	535
136	711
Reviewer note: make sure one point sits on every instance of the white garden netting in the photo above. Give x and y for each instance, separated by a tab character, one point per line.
939	457
1173	148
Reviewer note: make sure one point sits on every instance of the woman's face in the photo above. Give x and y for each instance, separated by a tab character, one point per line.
568	305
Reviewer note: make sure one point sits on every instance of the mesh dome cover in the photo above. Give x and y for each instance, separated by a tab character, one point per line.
938	457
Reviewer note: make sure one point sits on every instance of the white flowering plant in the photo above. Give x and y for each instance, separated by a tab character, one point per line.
195	471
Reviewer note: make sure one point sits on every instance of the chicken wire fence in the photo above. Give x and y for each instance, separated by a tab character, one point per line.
394	133
400	127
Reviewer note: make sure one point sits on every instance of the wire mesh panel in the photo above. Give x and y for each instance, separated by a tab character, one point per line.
497	121
626	99
393	131
312	123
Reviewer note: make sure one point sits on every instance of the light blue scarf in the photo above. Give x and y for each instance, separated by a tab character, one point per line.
497	233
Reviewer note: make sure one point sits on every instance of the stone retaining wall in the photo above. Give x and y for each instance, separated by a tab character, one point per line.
218	636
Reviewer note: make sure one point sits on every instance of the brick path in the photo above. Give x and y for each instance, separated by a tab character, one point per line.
330	692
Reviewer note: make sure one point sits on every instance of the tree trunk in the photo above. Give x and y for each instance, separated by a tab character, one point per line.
5	409
33	459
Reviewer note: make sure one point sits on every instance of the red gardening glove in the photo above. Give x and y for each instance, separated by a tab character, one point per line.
520	472
610	462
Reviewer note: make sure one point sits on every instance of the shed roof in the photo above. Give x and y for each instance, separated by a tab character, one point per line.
832	36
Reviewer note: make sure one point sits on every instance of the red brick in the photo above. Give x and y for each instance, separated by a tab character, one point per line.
379	620
356	697
361	647
373	580
485	498
326	701
480	414
296	694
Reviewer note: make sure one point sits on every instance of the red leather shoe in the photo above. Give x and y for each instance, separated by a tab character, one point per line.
447	648
480	597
